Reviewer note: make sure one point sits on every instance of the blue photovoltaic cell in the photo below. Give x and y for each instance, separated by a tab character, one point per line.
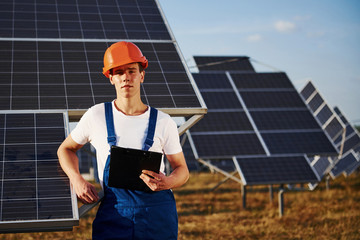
324	114
348	161
276	170
315	102
308	90
212	81
275	99
192	163
214	121
278	120
227	145
275	80
334	128
218	63
221	100
352	142
311	143
321	165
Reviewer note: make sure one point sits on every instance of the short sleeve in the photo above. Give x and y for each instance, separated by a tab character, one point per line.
171	139
81	133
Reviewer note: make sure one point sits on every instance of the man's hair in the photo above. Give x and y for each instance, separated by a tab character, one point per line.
140	68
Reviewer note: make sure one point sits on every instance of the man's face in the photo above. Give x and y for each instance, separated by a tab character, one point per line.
127	79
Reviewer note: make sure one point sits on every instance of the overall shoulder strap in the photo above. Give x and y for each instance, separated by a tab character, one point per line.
110	124
151	129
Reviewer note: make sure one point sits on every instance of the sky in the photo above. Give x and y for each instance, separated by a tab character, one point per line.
308	40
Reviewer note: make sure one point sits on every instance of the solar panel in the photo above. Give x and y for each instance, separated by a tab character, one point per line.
308	90
311	143
223	63
51	55
260	121
322	165
35	192
70	77
333	122
351	168
348	163
191	162
324	114
352	140
275	170
315	102
255	114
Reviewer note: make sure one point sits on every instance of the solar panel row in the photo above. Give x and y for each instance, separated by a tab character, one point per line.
333	122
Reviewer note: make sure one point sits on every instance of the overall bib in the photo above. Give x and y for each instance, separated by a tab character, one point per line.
132	214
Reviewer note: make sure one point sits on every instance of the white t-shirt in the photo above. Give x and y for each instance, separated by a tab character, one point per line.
130	132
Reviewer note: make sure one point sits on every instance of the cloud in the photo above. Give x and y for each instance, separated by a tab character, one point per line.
254	38
285	26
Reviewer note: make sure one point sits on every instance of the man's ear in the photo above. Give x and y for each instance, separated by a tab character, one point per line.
110	78
142	76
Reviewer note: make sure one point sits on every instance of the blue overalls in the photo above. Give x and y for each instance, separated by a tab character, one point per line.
131	214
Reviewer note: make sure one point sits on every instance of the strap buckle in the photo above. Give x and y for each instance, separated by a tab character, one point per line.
148	143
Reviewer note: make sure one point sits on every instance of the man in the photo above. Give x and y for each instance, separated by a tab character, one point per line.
124	213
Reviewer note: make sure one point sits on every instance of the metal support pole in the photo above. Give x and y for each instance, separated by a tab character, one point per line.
271	192
281	200
243	193
327	182
223	181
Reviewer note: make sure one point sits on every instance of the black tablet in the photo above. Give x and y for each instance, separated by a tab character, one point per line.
126	165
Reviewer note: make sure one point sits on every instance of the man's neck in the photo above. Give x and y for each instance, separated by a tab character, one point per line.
130	107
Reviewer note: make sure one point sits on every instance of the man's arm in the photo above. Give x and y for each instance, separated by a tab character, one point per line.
177	178
69	162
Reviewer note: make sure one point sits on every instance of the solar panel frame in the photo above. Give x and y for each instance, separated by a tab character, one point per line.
17	155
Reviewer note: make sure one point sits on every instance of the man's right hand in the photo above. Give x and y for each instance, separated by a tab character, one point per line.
85	191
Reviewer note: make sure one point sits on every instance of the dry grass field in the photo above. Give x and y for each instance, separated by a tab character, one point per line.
204	214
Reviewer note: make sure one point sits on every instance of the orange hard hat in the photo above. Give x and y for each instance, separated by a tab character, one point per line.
122	53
